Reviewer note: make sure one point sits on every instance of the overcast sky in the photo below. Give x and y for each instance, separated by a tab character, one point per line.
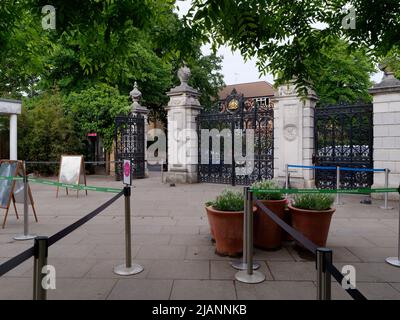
234	68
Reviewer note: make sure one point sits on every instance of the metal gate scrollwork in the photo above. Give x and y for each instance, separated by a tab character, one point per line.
344	137
234	114
129	144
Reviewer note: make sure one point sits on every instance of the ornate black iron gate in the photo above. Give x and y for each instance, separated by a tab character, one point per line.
234	118
344	137
129	144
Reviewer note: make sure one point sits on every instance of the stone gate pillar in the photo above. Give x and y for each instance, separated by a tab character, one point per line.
386	100
183	108
138	109
294	135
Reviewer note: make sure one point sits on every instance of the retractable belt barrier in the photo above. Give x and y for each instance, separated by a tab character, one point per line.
22	257
334	168
338	170
330	191
326	265
65	185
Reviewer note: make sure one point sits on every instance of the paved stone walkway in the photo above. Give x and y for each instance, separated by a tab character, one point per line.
171	240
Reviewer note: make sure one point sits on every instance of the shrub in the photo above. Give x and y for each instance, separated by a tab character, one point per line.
268	185
46	132
94	110
315	201
228	200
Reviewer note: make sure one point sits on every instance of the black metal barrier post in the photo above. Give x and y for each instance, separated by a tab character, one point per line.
249	275
324	257
242	264
40	260
26	235
128	268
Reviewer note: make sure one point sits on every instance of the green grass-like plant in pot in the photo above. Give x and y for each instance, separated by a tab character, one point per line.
267	234
225	216
311	215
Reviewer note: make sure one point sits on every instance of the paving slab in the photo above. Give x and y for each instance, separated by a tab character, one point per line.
300	271
203	290
276	290
179	269
81	289
104	269
222	270
141	289
161	252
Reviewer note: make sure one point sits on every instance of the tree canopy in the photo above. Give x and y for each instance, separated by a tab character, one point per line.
102	41
284	35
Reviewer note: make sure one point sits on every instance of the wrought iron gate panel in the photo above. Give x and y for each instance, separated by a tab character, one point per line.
129	144
242	116
344	137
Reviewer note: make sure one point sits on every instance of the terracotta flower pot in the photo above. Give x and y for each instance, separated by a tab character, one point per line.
267	234
209	216
312	224
227	227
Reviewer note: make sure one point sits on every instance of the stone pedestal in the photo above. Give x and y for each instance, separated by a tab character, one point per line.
294	135
386	100
183	108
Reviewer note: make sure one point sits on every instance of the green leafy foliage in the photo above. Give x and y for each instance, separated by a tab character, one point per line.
228	200
97	47
285	35
392	61
45	131
267	185
94	110
341	75
313	201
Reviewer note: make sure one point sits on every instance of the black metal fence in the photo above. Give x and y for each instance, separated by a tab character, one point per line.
344	138
232	123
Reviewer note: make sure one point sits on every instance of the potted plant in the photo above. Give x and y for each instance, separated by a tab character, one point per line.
225	216
267	234
311	215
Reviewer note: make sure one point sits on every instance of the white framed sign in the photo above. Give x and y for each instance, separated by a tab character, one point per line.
72	171
126	168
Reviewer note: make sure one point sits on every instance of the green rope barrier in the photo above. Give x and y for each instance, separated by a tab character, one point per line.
12	178
65	185
331	191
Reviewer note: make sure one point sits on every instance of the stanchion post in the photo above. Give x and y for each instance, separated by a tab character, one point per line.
287	176
385	206
338	202
249	234
249	275
162	171
26	235
395	261
128	268
40	260
324	256
242	264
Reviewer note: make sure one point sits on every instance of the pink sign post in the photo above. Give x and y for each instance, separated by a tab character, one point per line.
127	172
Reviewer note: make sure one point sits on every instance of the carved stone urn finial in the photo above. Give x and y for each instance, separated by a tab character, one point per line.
135	94
184	74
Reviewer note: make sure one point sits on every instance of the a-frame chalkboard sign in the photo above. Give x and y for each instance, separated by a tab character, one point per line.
13	190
